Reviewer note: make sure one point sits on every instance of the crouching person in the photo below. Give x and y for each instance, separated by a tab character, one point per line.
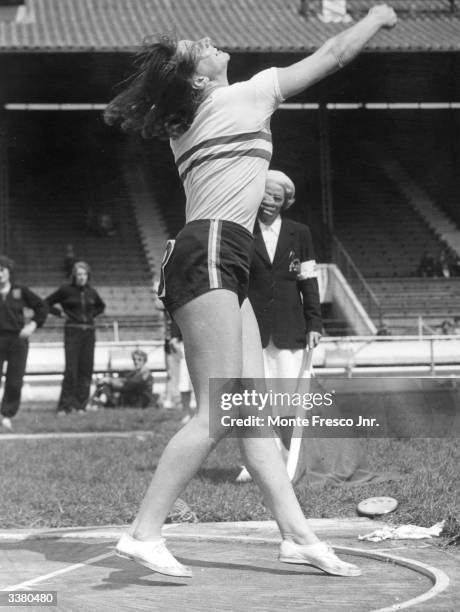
133	389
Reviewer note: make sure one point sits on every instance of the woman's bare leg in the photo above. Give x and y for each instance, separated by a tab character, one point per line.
211	329
261	455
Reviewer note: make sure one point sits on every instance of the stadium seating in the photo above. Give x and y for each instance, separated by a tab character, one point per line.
409	302
386	236
49	202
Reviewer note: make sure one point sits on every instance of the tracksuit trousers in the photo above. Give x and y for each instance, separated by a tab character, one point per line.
13	351
79	343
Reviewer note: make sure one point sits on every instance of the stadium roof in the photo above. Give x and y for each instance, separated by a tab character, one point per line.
237	25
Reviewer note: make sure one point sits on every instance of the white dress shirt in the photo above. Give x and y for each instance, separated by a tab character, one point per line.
270	234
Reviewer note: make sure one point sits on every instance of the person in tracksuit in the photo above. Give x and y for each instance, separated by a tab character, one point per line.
14	335
79	303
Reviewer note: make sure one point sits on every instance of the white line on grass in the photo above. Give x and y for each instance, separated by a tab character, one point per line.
89	434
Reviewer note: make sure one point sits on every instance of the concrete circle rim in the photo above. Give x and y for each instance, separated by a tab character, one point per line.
439	578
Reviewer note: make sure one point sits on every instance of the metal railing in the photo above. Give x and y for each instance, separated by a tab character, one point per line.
356	280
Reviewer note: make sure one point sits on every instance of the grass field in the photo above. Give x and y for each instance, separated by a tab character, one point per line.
73	482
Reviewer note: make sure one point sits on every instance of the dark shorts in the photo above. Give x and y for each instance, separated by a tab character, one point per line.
207	254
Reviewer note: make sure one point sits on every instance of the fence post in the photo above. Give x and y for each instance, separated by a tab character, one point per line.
116	334
420	327
432	364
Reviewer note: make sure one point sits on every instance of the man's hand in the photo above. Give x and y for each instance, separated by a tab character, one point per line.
313	339
385	14
28	330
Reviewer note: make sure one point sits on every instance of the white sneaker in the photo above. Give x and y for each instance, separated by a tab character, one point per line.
319	555
6	423
243	476
153	555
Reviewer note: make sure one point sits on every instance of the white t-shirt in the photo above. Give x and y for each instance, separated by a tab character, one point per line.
224	156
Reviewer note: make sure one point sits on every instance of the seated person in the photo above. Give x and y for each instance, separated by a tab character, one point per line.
426	267
446	328
105	225
456	326
133	389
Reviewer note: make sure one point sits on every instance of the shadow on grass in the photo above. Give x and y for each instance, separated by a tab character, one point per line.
219	474
214	475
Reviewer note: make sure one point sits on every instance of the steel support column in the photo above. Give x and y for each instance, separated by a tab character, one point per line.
4	190
327	205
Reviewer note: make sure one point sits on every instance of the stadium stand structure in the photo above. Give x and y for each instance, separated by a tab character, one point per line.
149	219
439	210
385	237
406	301
119	24
162	184
435	217
89	43
51	192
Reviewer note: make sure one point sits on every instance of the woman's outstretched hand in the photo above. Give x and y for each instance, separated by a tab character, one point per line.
385	14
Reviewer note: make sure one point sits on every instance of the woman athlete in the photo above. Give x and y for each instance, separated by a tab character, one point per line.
221	140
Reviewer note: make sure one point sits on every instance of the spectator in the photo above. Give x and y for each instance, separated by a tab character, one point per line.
179	383
69	260
14	335
426	266
105	225
454	262
456	326
187	397
90	220
383	329
442	265
446	328
172	361
80	303
134	389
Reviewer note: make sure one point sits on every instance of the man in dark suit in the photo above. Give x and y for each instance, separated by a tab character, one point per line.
283	287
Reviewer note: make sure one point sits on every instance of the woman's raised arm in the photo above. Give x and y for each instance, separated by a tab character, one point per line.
335	53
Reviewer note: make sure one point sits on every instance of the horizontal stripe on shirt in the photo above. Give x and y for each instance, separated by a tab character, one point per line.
264	154
219	140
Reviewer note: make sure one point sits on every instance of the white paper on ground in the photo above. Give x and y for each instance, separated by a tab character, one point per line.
403	532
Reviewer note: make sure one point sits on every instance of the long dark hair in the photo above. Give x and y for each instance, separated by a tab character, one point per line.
159	100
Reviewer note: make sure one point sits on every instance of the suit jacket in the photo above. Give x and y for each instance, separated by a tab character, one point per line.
286	308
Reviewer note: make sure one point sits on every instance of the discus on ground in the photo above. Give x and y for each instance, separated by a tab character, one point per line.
376	506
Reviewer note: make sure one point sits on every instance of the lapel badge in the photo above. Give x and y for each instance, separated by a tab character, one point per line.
294	265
